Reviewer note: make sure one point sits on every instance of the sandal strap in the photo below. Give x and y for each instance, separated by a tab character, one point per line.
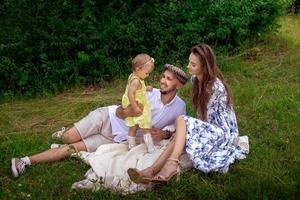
173	159
152	170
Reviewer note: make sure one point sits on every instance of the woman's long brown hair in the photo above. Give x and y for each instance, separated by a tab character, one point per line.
202	90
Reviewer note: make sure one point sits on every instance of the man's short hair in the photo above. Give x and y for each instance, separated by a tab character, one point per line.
179	73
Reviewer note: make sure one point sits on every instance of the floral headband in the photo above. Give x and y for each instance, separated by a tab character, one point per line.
151	60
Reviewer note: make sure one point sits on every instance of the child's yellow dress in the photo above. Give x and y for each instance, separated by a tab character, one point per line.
144	121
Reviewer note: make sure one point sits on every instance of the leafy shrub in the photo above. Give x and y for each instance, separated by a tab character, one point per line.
295	6
48	46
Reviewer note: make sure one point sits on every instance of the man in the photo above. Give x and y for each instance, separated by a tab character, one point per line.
102	126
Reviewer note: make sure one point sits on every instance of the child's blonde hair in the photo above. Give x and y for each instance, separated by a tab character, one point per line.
140	60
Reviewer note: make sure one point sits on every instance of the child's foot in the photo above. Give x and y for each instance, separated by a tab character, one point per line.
131	146
149	142
131	142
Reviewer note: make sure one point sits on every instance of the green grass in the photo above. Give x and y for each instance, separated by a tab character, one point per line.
265	81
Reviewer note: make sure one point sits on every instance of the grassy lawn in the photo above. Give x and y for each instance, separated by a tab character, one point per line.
266	87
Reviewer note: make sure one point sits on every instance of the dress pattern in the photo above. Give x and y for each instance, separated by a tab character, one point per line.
210	145
144	121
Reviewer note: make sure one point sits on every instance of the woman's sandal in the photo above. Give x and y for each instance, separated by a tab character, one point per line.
163	179
136	177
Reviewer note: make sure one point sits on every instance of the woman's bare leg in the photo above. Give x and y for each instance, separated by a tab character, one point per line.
57	153
159	163
173	151
149	172
180	137
178	146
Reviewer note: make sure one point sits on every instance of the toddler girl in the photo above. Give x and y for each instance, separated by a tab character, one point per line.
142	66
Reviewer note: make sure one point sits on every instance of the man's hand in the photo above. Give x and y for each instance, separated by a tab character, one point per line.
122	113
156	133
137	111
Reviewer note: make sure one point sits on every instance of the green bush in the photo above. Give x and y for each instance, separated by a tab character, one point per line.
48	46
295	6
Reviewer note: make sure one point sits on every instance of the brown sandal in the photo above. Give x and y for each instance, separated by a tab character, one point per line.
163	179
136	177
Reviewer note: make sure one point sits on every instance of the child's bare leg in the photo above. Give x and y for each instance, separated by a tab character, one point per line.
131	136
132	131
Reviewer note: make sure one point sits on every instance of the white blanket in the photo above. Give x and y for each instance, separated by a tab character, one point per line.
110	162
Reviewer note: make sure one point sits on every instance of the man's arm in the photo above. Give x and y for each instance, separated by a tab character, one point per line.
122	113
160	134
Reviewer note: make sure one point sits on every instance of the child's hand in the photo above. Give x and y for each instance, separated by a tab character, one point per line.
149	88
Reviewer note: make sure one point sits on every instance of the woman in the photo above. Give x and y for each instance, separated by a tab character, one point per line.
209	138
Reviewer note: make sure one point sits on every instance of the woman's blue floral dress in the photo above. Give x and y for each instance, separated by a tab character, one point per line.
210	145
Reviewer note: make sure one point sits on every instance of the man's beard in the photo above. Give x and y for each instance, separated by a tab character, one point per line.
168	91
